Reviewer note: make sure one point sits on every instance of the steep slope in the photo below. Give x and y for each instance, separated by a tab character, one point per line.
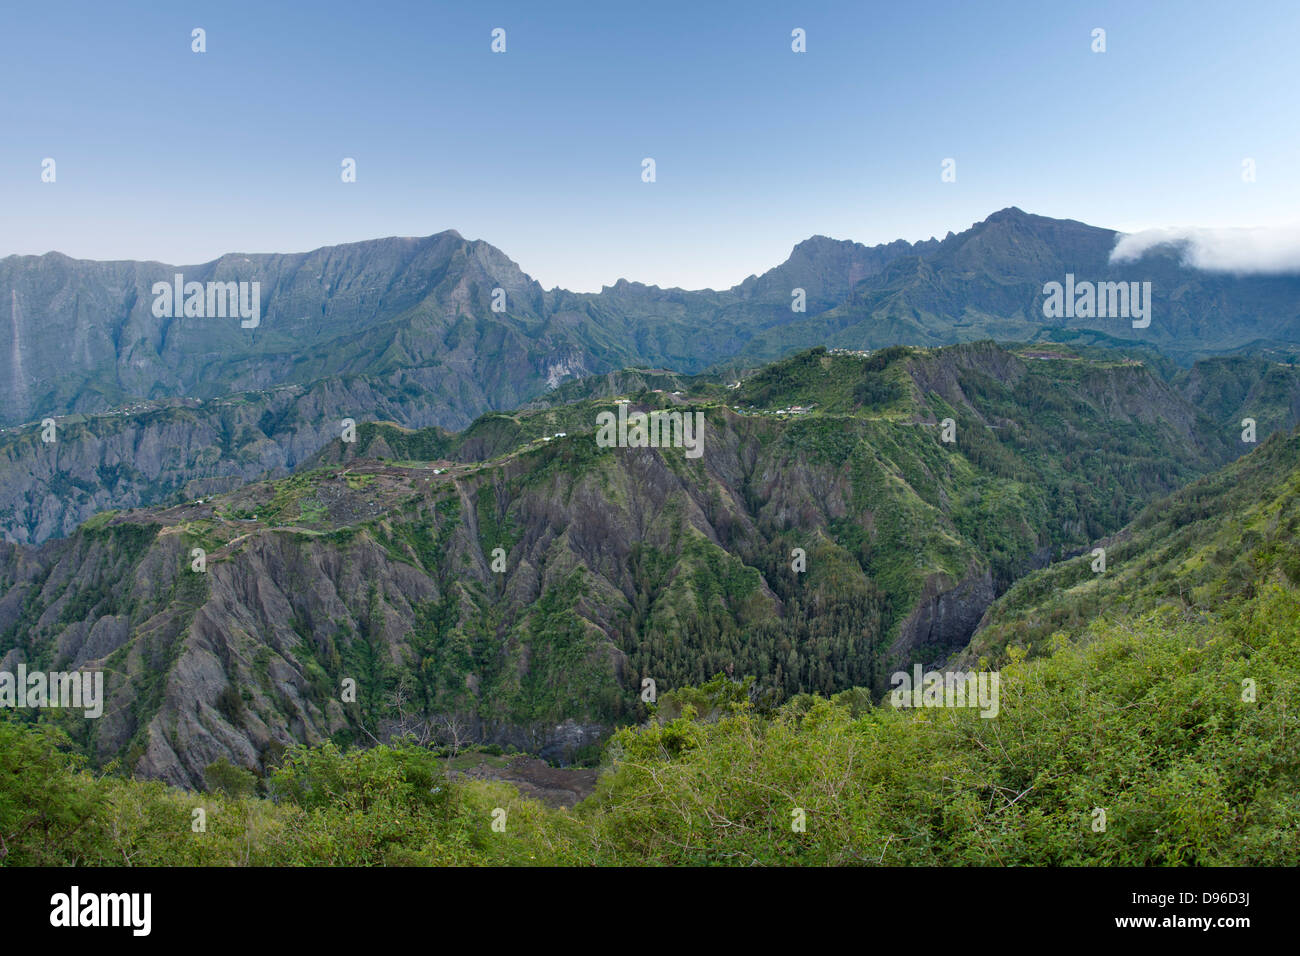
1205	546
165	451
615	564
1233	388
82	336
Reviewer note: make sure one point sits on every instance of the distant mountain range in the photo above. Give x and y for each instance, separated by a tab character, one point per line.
150	407
82	336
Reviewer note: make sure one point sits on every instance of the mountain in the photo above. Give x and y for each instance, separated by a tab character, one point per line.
377	561
173	449
82	335
987	282
1149	736
152	409
414	313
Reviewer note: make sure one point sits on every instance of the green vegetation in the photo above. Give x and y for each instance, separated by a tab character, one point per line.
1143	718
1203	548
816	552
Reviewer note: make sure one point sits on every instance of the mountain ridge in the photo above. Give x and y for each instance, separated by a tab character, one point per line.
82	337
406	329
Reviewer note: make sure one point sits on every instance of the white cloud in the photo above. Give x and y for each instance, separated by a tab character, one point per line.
1262	250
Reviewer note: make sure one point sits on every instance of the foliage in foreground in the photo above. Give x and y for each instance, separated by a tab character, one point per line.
1143	718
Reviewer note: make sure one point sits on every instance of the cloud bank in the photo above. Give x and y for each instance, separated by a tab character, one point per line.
1266	250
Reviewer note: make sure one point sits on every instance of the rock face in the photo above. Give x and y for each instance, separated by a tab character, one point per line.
401	330
987	283
82	336
181	449
87	337
943	620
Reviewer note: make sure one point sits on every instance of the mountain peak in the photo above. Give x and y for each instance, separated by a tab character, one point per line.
1010	214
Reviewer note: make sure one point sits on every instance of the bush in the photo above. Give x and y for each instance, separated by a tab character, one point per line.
222	776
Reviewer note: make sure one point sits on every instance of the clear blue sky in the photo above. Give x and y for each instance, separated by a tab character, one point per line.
166	154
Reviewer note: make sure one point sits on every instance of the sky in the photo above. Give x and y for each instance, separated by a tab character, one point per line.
167	154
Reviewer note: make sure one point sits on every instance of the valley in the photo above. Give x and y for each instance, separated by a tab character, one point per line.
521	579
